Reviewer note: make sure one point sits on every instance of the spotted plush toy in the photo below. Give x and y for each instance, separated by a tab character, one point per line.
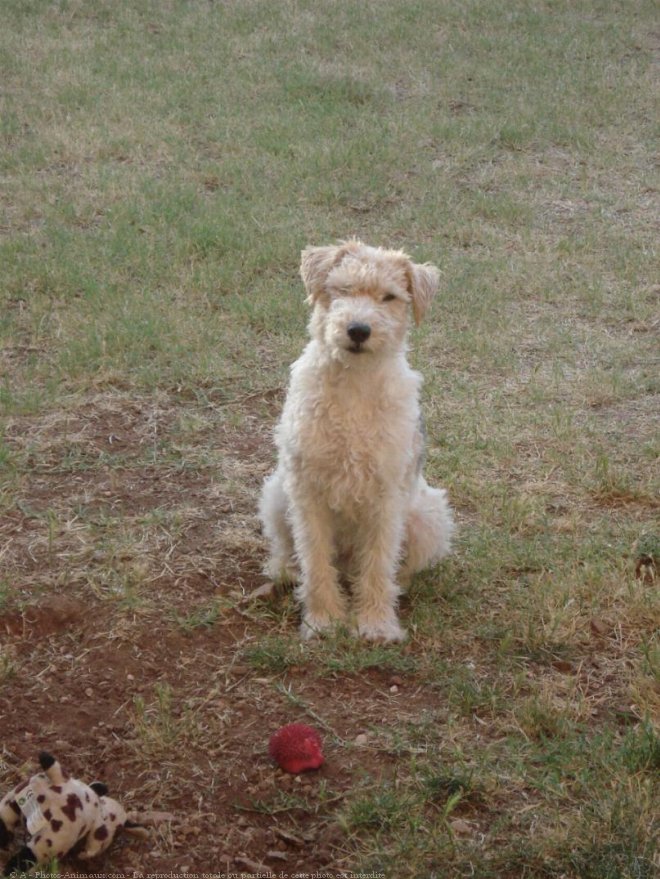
60	813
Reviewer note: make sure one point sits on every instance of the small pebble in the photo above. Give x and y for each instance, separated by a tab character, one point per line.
361	740
394	689
275	855
460	826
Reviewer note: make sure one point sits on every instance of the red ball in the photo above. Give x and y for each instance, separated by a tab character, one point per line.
296	748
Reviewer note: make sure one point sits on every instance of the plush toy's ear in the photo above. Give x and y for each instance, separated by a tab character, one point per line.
46	760
423	281
99	788
52	768
317	263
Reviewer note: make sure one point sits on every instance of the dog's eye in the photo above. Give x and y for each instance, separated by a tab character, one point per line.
389	297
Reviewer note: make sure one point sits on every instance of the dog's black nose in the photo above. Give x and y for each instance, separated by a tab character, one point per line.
358	332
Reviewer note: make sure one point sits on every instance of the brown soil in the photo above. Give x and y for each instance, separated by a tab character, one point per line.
111	664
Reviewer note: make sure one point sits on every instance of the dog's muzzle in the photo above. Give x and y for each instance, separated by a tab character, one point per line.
358	333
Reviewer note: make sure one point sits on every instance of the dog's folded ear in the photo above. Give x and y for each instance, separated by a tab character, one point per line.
423	281
317	263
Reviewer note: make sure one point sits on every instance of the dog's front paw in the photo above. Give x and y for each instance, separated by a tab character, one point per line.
385	629
281	571
314	625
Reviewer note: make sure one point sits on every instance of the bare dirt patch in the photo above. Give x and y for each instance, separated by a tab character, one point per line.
126	636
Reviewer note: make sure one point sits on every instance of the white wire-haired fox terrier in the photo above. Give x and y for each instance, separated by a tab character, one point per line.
348	504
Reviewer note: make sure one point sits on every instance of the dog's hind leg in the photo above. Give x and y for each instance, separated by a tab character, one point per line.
429	530
273	506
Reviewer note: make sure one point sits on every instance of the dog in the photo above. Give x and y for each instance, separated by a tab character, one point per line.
348	504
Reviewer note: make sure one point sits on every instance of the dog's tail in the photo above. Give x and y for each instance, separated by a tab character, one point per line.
430	528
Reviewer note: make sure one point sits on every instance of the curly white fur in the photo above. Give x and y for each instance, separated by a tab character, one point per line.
348	500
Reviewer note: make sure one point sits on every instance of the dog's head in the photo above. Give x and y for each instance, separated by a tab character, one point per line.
362	297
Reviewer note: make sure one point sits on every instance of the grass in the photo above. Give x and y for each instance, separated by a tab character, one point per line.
162	166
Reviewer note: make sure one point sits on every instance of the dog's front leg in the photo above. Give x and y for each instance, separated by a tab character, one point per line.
322	600
376	590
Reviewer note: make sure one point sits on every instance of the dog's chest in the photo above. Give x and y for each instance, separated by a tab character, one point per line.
355	446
